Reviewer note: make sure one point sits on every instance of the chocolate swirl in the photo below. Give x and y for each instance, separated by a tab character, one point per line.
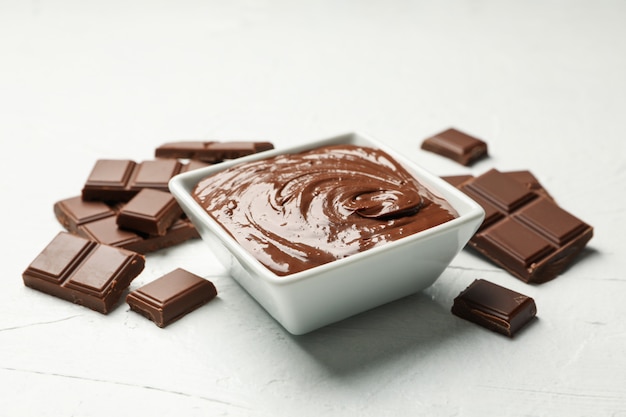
297	211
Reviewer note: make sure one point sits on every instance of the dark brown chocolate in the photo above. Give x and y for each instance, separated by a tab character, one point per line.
119	180
210	151
456	145
524	177
106	231
494	307
97	221
74	212
524	232
150	211
171	296
84	272
296	211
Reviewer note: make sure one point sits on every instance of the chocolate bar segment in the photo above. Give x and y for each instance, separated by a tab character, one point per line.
456	145
84	272
107	232
97	221
114	180
150	211
524	177
210	151
524	232
171	296
501	190
73	212
494	307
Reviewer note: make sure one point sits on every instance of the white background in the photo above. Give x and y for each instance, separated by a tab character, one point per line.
543	82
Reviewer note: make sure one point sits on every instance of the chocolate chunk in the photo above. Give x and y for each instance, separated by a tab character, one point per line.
456	145
150	211
171	296
524	177
107	232
524	232
84	272
74	212
529	180
113	180
210	151
97	221
494	307
457	180
500	190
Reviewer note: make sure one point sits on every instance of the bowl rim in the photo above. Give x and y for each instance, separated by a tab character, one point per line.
182	185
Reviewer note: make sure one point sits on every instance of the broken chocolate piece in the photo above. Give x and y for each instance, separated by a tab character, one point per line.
494	307
210	151
456	145
119	180
74	212
151	212
524	232
84	272
107	232
171	296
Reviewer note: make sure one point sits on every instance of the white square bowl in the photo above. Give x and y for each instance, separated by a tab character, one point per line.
307	300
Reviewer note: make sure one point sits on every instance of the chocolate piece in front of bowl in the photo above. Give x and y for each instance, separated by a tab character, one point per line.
524	232
457	146
171	296
84	272
494	307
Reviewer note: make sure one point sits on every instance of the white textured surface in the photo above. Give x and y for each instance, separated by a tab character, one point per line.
541	81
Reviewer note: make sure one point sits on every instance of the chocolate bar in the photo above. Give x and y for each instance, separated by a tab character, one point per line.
524	232
210	151
115	180
456	145
171	296
494	307
150	211
84	272
97	221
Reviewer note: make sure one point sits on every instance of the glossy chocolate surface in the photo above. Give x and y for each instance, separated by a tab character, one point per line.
456	145
494	307
150	211
294	212
84	272
97	221
171	296
524	231
119	180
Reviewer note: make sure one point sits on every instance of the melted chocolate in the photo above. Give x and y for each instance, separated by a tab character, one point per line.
297	211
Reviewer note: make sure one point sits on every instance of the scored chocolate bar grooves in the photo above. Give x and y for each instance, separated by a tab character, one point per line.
121	179
525	232
84	272
97	221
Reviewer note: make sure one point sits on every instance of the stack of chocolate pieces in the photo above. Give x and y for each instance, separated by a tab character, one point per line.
124	211
127	204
